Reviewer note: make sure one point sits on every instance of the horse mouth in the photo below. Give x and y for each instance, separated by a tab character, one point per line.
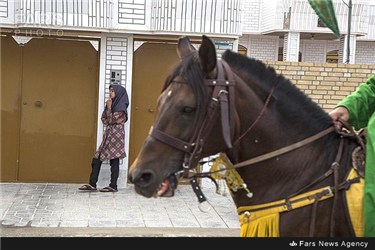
167	187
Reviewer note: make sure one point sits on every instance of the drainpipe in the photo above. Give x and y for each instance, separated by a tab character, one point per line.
349	24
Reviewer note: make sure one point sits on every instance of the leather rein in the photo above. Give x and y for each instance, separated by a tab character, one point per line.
223	99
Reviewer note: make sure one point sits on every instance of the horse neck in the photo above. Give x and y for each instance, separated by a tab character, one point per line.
280	176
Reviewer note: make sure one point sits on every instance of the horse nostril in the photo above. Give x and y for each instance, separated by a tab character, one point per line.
143	179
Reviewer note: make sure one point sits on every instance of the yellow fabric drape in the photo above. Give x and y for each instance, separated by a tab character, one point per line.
263	220
354	197
266	226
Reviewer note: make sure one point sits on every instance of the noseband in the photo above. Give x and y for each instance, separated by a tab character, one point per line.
221	102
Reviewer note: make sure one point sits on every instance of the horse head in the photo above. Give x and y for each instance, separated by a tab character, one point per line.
175	138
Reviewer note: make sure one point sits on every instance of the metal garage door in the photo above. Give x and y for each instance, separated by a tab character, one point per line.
49	102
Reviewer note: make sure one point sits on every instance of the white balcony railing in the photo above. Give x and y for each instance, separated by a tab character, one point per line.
210	16
63	13
222	17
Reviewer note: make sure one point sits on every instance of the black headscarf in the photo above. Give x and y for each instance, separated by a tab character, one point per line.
121	101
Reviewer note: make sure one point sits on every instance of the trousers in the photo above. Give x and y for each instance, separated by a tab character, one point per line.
115	170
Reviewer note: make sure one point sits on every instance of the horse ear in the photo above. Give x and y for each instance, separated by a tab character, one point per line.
207	55
184	47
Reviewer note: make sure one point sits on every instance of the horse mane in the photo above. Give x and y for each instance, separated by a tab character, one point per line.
292	101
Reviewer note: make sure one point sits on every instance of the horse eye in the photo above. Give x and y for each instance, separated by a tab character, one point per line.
188	109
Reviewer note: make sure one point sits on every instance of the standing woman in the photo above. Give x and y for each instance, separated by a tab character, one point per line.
112	147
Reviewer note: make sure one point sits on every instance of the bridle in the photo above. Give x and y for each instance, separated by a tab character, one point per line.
221	102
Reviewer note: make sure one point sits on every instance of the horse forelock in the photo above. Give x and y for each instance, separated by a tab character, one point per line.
291	100
190	70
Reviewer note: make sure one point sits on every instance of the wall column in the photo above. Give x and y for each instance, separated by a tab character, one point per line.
116	56
291	46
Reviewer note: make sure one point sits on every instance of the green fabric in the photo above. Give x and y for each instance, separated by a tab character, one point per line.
361	106
325	11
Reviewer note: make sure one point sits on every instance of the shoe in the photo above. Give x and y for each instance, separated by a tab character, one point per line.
108	189
87	187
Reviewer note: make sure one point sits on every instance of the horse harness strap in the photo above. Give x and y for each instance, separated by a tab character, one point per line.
335	166
297	200
333	170
177	143
278	151
223	86
197	190
248	213
284	205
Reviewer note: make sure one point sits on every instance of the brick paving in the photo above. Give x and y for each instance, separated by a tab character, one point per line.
53	209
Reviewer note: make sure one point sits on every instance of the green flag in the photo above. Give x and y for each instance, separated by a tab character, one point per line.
325	11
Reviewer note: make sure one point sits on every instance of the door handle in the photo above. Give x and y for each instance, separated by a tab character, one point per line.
38	104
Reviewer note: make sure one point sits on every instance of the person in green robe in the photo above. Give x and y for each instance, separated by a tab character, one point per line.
358	109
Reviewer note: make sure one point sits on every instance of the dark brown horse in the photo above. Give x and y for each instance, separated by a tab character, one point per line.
281	143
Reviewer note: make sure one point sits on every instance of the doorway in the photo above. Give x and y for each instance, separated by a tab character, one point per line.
152	63
49	109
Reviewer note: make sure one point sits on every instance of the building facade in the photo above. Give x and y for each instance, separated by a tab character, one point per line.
291	31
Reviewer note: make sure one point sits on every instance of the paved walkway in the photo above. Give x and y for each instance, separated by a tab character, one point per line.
51	209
